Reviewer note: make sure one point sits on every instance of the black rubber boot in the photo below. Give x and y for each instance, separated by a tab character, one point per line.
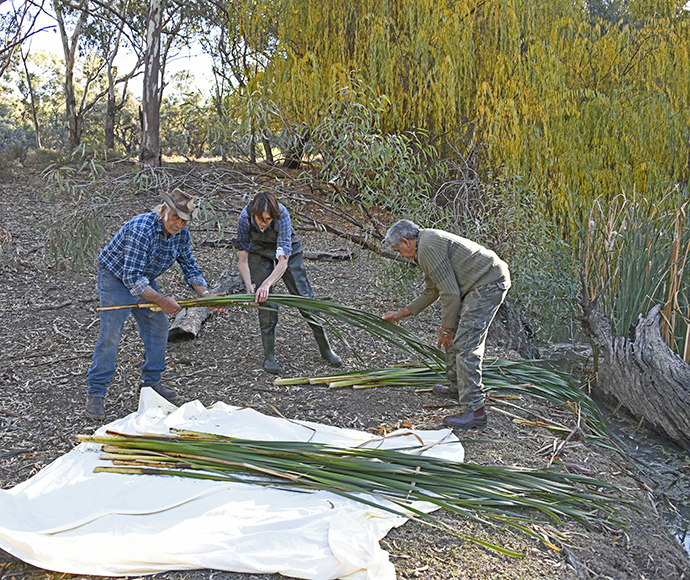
324	346
268	342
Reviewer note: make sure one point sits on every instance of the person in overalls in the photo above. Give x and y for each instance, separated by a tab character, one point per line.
270	250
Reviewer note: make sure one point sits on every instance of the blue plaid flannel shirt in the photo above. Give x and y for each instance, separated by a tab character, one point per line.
283	225
140	252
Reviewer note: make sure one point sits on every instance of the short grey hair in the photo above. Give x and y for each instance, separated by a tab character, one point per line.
399	230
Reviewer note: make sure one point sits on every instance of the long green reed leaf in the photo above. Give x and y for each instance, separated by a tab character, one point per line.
521	378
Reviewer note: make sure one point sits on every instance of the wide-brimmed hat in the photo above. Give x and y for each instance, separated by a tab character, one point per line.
181	203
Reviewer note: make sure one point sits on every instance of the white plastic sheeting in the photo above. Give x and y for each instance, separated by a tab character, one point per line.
68	519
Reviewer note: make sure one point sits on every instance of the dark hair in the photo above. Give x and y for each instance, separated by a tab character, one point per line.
265	201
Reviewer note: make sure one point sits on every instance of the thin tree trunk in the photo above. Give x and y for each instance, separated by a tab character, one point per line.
220	113
295	153
112	108
268	152
110	118
252	148
110	126
150	118
70	46
32	101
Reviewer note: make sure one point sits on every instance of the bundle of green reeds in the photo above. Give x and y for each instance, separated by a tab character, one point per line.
322	311
517	377
499	495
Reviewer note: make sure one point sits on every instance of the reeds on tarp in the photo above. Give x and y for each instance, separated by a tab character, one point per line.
521	498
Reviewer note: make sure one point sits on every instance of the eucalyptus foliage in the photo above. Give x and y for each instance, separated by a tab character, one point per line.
505	216
363	165
75	225
82	199
73	234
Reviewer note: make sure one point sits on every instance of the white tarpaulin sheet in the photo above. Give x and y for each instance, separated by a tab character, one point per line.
68	519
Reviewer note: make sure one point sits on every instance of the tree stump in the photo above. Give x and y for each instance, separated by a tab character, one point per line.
641	374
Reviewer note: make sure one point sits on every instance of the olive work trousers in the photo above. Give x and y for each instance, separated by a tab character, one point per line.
464	359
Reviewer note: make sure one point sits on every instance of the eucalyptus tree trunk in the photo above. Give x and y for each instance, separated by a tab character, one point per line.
112	105
70	46
111	111
295	152
641	374
268	152
150	111
32	100
252	147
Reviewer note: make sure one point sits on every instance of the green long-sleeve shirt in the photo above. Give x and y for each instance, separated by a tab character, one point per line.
453	266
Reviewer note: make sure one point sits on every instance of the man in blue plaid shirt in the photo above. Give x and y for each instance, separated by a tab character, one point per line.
145	247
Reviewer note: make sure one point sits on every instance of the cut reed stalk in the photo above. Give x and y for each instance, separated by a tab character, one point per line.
520	378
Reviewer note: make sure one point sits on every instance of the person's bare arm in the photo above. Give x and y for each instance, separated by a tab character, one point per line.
277	274
396	315
168	305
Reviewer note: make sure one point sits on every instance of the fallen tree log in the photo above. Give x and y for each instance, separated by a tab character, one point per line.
187	323
329	256
640	374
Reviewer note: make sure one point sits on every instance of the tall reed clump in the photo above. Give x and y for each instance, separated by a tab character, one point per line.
637	252
501	495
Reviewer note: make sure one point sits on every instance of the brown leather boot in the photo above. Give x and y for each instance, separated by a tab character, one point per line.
467	420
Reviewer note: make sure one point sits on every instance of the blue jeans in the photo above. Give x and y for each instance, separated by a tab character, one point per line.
153	329
464	359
